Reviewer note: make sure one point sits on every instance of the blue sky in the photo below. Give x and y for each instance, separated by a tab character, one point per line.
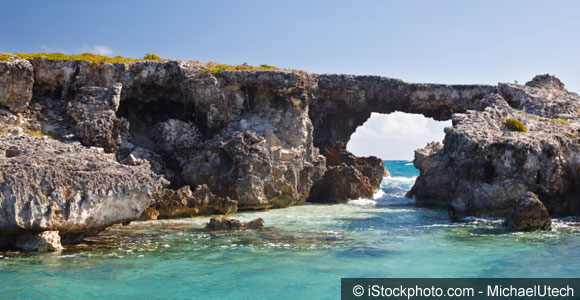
417	41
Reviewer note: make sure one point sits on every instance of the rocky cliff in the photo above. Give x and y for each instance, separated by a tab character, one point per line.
179	139
486	166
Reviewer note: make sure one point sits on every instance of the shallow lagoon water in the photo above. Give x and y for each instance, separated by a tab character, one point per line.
303	254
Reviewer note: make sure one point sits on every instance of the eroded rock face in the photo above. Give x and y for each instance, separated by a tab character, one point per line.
261	151
41	242
347	176
184	203
431	189
16	79
344	102
529	214
53	186
483	166
93	110
256	137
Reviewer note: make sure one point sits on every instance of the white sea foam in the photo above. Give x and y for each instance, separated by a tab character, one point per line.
363	202
403	183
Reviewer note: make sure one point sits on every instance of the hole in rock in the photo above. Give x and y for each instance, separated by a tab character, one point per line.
143	116
395	137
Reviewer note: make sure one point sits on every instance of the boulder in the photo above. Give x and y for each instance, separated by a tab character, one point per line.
222	223
16	80
42	242
347	176
529	214
255	224
150	213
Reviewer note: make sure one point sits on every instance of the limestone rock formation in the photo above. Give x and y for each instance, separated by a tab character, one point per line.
184	203
47	185
222	223
93	110
347	176
41	242
483	165
16	79
529	214
263	139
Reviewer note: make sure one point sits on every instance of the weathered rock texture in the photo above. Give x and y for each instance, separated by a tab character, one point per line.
41	242
221	223
16	79
529	214
261	139
184	203
347	176
482	168
47	185
93	111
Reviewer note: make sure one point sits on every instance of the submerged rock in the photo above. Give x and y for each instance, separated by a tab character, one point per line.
222	223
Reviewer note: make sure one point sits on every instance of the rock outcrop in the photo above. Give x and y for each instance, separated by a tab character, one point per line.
184	203
16	80
221	223
483	167
93	111
41	242
261	139
347	176
529	213
47	185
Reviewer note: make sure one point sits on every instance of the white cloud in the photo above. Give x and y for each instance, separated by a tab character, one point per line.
97	49
396	135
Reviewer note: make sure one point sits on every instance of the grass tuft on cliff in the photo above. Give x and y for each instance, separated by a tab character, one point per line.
560	121
152	56
514	125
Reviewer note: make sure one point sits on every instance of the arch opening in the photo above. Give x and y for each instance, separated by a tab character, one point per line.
395	136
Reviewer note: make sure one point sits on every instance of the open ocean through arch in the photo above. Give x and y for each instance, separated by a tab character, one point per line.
302	255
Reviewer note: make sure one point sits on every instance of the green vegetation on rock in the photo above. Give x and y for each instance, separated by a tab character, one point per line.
94	58
51	134
560	121
152	56
514	125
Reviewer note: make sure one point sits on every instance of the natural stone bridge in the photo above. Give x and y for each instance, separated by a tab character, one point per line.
266	139
344	102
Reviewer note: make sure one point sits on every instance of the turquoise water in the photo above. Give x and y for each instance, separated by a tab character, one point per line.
303	254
